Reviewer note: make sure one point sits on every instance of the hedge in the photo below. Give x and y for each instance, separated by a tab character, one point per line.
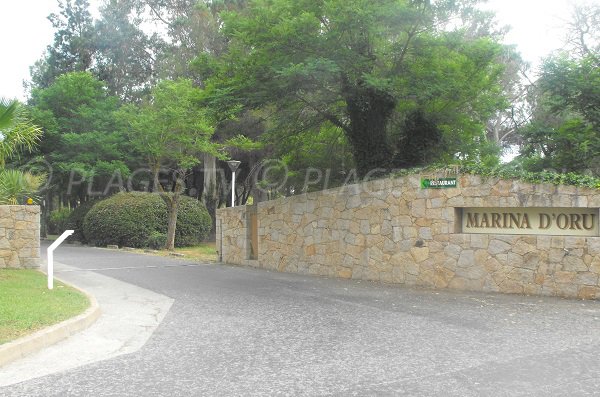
75	220
131	219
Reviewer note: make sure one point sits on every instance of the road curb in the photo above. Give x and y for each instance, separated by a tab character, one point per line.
32	343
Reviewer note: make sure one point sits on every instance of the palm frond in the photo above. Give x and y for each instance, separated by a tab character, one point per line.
7	112
17	186
17	132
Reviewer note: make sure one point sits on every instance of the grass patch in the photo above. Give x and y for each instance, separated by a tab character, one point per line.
27	305
205	252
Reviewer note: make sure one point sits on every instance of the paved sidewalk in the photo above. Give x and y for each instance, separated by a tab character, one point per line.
130	315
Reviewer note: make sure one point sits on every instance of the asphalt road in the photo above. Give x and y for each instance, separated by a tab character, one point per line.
237	331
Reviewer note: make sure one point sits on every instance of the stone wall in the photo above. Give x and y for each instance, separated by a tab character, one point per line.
19	236
393	231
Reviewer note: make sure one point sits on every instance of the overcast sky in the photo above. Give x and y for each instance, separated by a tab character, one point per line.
537	29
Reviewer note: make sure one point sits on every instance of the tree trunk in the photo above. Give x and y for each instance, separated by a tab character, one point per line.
171	199
46	209
173	209
369	111
210	195
259	194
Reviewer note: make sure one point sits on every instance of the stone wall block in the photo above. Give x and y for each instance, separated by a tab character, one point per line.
574	264
466	259
390	230
594	201
593	245
588	292
419	254
586	278
20	236
581	201
496	246
480	241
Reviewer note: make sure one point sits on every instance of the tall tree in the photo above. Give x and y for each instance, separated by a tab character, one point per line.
564	133
126	55
517	87
82	140
360	66
73	48
171	131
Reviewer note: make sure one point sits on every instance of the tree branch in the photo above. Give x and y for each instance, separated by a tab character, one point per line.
158	15
328	116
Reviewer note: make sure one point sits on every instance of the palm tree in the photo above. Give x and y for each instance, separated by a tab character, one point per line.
17	134
17	185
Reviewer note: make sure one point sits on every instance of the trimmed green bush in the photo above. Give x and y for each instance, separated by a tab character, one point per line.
130	219
156	240
193	223
75	220
57	220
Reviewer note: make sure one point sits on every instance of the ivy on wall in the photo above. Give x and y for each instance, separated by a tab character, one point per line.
504	172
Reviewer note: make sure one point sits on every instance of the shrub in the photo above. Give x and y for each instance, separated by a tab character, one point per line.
193	223
57	220
157	240
130	219
17	186
75	220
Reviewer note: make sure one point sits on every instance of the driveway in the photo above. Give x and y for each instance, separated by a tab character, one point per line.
240	331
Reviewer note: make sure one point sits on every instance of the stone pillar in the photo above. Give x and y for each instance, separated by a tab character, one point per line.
20	236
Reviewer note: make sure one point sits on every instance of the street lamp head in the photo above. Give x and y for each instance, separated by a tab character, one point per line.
233	165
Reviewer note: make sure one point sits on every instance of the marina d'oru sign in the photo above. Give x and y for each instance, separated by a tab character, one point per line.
544	221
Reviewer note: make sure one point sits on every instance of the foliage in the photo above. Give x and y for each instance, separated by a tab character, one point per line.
508	171
362	67
309	161
83	142
193	223
503	128
129	219
156	240
125	219
170	130
76	102
17	186
331	85
73	47
170	127
422	142
123	56
75	220
564	133
114	48
17	132
58	220
511	172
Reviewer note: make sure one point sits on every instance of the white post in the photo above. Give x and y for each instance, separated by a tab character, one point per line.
233	189
50	253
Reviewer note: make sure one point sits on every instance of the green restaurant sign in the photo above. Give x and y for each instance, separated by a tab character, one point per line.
438	183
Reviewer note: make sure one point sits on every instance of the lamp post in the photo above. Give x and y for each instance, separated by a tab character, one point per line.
233	166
